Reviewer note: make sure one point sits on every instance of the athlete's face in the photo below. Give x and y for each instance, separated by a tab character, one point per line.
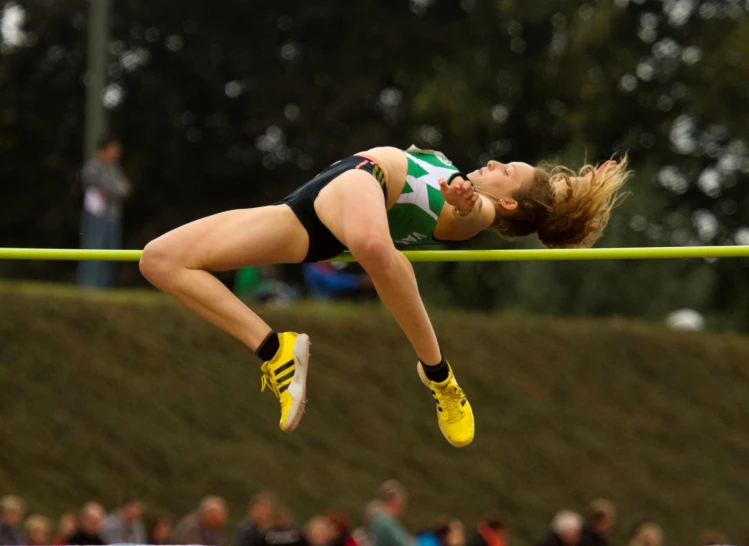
500	181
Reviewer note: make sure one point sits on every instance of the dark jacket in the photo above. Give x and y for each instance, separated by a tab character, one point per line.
589	537
247	534
81	538
476	540
552	539
9	536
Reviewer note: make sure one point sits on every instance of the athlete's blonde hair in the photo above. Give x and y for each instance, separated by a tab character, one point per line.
567	209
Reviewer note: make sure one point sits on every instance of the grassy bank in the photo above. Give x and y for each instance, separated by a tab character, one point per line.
128	392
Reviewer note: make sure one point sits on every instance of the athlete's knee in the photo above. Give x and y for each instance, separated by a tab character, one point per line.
373	253
157	262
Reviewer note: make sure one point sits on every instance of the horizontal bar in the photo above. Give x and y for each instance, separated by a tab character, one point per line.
69	254
637	253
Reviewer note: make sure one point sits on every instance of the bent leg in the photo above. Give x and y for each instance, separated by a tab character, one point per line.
180	261
353	209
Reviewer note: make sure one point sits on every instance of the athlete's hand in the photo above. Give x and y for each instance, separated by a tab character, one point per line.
601	168
606	165
588	177
459	194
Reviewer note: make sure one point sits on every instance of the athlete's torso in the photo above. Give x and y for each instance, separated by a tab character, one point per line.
416	208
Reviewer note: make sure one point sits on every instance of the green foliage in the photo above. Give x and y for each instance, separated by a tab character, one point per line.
228	106
129	392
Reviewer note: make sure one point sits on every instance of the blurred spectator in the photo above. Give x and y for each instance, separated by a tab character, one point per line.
328	281
445	532
566	528
646	533
280	530
66	528
426	537
264	284
712	538
36	530
159	530
490	531
259	517
600	524
105	188
125	525
203	526
340	527
451	533
92	514
318	531
371	509
384	527
12	509
362	535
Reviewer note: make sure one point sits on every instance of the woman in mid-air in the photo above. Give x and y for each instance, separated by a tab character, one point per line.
368	203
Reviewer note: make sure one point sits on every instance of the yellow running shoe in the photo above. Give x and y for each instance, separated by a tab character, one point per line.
454	413
286	377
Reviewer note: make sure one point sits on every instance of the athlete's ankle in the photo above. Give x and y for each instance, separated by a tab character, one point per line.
269	347
438	372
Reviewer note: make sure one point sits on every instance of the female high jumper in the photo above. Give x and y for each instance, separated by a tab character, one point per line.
368	203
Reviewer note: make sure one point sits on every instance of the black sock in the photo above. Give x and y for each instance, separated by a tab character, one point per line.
269	347
438	373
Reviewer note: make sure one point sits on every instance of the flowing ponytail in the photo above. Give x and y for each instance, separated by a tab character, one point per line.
566	209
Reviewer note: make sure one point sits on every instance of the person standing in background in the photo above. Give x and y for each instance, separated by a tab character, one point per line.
490	531
280	529
384	527
159	529
105	189
204	526
318	532
566	530
600	524
12	510
646	533
125	525
341	529
89	529
259	518
36	531
66	528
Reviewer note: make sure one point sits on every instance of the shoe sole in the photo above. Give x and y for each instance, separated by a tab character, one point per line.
425	381
298	385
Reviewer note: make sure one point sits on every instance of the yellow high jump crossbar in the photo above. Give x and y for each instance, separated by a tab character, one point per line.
636	253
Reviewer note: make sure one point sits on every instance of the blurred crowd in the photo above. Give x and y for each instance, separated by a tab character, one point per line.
269	523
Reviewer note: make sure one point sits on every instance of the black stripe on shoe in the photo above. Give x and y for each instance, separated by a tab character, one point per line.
464	402
283	389
285	377
283	368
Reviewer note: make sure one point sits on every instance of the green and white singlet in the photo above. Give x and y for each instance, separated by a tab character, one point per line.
414	216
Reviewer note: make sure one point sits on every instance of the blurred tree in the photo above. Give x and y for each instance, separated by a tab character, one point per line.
233	104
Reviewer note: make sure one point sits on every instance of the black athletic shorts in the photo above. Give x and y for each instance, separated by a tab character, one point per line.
322	243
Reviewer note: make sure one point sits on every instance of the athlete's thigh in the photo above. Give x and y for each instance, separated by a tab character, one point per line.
352	207
238	238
